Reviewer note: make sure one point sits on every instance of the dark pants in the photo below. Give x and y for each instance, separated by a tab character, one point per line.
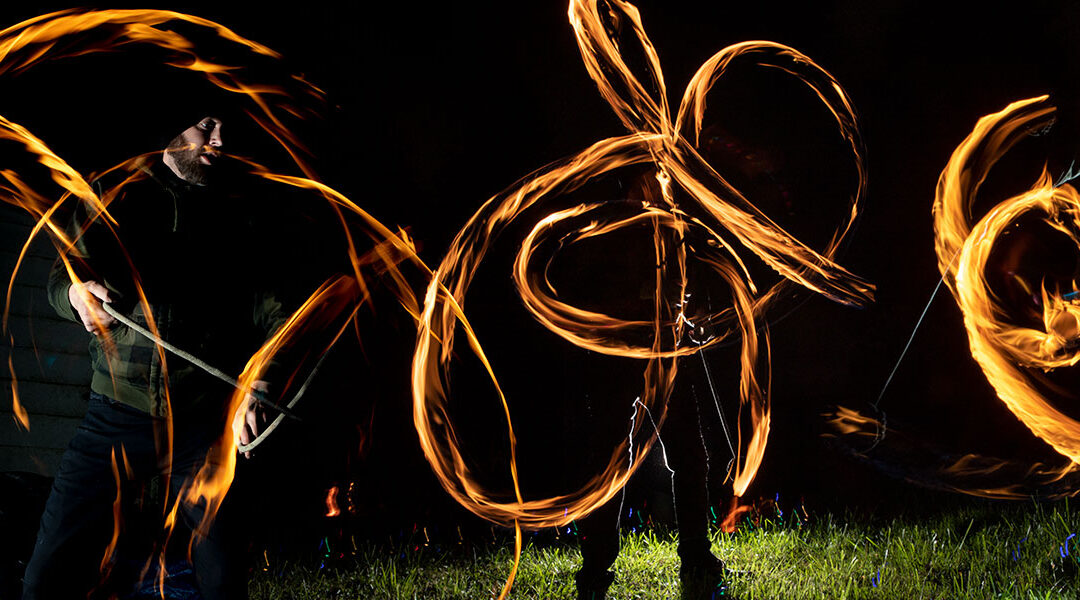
685	450
78	522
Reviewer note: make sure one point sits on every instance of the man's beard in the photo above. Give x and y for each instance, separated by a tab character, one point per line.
186	158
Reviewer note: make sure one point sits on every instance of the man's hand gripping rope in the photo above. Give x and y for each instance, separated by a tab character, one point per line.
92	303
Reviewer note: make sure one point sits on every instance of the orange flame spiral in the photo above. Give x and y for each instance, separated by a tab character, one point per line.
77	32
1004	350
695	203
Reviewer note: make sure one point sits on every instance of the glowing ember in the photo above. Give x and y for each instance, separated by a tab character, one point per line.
694	202
331	502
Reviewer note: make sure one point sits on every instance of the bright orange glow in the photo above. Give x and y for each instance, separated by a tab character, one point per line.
847	421
78	33
332	509
736	511
1004	350
693	202
18	410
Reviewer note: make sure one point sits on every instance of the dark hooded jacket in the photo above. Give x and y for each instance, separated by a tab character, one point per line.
196	254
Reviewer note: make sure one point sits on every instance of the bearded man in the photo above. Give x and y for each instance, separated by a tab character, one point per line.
183	261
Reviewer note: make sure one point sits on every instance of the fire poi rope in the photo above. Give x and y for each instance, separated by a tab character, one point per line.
696	205
1015	345
258	395
272	106
696	215
1006	350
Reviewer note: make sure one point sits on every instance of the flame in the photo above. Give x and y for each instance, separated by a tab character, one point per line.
331	502
693	202
973	466
1008	354
1003	349
735	512
972	474
18	410
848	421
656	139
76	32
118	519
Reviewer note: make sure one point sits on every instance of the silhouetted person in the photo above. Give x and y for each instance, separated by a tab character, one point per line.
188	242
700	572
681	433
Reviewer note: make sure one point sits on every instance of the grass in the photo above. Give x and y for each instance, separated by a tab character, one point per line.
981	551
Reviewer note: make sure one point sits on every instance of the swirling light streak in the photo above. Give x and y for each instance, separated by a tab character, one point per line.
655	138
1006	351
1003	349
694	202
73	33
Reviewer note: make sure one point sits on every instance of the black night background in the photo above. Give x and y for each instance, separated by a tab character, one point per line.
435	108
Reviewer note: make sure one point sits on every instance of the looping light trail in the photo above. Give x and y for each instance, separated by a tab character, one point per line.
1005	350
1013	344
694	203
74	33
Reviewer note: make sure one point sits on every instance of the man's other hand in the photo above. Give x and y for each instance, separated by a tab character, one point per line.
86	299
254	417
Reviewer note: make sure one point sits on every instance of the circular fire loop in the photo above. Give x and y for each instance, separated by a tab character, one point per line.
1004	350
711	205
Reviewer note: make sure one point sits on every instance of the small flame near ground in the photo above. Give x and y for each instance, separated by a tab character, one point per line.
692	201
654	138
332	509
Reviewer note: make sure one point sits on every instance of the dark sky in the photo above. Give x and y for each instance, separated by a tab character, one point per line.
439	108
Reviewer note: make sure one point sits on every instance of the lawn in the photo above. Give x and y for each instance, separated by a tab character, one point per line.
977	551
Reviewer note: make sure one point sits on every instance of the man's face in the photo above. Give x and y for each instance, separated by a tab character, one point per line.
192	154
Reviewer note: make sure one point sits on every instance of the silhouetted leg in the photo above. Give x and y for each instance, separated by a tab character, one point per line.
77	523
217	553
686	456
598	535
702	574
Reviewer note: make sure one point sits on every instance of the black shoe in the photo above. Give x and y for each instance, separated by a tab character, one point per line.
593	586
704	579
